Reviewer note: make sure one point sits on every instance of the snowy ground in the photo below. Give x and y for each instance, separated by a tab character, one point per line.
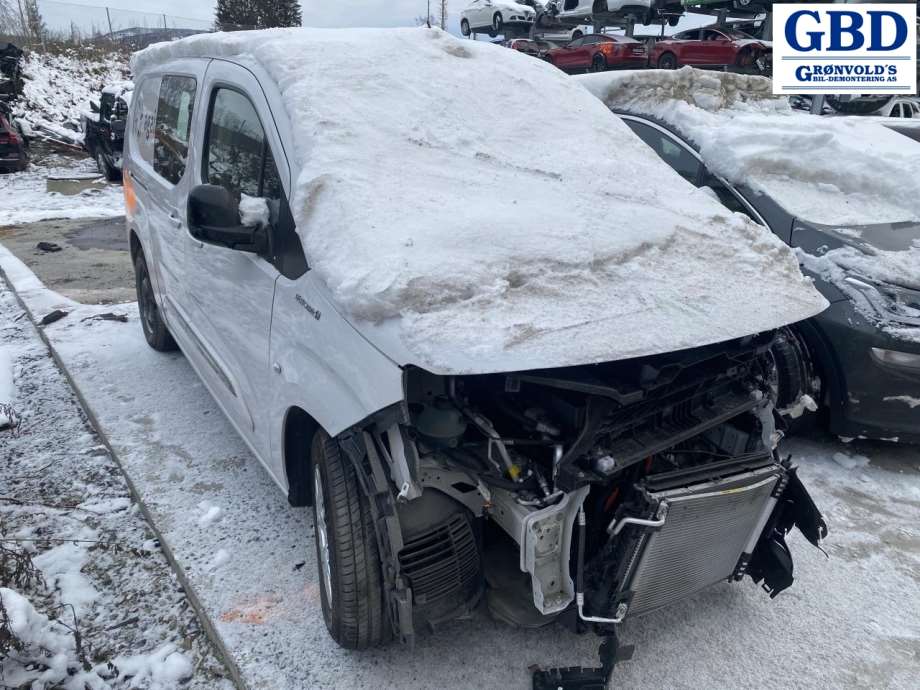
66	505
26	198
851	619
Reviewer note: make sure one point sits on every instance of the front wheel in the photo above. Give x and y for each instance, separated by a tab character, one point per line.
465	28
497	24
598	64
350	573
156	333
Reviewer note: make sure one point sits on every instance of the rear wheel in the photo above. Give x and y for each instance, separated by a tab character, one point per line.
667	61
599	64
155	331
350	573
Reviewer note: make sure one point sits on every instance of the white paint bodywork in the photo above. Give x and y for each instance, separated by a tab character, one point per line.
481	13
254	345
570	9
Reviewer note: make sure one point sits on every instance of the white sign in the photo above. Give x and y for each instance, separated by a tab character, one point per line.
845	48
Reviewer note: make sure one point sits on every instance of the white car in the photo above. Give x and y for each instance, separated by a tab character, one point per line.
900	107
599	10
491	16
453	355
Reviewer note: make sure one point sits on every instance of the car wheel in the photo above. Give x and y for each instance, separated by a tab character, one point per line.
796	389
578	33
465	28
110	173
155	331
497	24
667	61
673	20
350	573
599	64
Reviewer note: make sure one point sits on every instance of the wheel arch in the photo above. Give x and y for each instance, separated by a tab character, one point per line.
134	243
298	431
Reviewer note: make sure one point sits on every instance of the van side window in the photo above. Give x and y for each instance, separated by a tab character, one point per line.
143	122
237	156
173	123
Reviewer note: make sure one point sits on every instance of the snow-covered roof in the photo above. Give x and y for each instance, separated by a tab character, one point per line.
473	209
834	171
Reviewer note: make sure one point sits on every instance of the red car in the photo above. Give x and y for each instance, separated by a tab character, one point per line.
599	52
712	47
13	155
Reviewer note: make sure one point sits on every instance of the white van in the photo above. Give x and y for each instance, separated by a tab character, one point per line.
453	347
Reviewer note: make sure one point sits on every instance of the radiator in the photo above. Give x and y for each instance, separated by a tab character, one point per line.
707	527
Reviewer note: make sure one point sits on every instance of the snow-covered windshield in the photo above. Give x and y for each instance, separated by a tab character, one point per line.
832	171
425	205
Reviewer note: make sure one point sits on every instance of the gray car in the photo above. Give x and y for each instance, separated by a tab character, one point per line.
867	378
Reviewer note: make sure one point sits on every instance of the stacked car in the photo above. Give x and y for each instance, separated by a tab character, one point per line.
598	53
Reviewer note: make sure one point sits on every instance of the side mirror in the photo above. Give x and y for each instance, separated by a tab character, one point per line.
94	106
214	216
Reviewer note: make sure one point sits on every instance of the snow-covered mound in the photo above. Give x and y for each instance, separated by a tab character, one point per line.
473	209
834	171
59	87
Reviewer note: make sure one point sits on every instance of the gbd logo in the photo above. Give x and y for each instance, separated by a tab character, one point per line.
846	30
865	48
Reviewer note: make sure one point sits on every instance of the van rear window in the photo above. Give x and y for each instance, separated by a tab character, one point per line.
173	124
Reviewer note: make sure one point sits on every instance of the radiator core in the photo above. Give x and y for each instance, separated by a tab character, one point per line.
707	528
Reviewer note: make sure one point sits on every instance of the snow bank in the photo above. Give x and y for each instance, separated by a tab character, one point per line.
834	171
48	657
26	198
59	88
495	211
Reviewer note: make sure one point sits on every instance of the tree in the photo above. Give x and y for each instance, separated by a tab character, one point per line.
443	5
274	13
34	19
237	15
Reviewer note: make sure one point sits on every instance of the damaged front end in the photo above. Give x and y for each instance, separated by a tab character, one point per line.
587	494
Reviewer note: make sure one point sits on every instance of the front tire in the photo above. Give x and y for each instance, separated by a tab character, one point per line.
497	24
156	333
465	28
599	64
348	560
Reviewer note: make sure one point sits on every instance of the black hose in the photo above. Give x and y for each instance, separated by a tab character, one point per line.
579	576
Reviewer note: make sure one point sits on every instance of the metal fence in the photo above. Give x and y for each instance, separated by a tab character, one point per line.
78	24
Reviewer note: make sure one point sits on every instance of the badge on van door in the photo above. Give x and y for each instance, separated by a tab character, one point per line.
315	313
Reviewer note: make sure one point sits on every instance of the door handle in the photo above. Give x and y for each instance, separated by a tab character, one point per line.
175	221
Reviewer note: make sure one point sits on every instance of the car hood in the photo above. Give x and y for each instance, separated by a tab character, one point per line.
882	252
452	243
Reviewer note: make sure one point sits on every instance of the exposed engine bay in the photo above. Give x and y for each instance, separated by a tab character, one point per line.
586	494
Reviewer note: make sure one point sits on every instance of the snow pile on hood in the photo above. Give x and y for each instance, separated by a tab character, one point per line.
480	210
59	88
834	171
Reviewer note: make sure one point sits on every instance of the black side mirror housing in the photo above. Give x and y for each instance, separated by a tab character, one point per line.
214	216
